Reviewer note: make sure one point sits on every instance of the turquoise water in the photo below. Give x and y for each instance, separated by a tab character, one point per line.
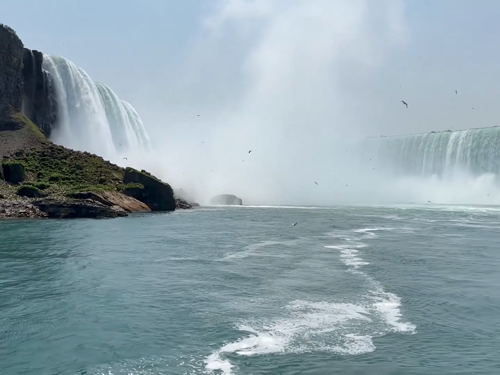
388	290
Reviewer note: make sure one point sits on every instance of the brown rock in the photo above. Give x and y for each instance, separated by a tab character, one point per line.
72	209
113	198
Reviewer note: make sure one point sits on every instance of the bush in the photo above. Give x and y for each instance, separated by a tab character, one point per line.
42	185
55	177
29	191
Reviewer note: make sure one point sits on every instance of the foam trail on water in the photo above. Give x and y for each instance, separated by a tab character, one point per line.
343	328
91	116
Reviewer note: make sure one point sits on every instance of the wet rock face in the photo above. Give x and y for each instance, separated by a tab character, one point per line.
39	96
11	67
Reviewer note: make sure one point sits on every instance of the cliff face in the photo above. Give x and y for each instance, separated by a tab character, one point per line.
24	86
39	98
11	66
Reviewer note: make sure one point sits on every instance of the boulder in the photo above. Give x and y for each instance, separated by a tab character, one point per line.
13	172
11	66
157	195
73	209
226	200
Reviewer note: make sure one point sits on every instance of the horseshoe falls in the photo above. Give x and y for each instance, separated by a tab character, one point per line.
443	154
91	117
448	167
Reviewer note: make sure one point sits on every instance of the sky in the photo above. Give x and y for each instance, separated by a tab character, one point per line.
257	72
141	48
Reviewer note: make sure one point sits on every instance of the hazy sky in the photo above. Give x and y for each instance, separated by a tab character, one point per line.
141	48
260	73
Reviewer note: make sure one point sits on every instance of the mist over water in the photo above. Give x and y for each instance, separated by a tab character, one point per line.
285	79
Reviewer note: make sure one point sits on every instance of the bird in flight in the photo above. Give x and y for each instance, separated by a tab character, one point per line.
406	104
456	91
250	151
316	183
294	224
125	158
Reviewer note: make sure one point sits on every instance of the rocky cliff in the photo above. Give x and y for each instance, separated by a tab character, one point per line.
24	86
41	179
11	78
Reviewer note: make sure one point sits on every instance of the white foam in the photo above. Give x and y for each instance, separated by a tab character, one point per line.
251	249
349	254
388	305
307	326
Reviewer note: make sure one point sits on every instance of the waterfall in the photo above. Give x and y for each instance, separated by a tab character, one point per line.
91	117
473	151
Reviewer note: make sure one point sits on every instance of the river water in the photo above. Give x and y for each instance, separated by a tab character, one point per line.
347	290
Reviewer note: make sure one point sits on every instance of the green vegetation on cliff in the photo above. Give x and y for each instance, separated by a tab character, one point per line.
29	158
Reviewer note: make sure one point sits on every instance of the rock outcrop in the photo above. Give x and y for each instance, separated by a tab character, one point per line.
73	209
114	198
11	66
227	200
144	187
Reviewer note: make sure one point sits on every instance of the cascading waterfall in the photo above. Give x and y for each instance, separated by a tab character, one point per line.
91	116
471	151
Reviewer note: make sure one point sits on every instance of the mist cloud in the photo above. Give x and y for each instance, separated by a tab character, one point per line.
281	78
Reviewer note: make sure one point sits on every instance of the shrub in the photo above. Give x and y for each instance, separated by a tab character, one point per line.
29	191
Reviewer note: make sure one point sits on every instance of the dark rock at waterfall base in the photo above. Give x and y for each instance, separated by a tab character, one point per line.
227	200
146	188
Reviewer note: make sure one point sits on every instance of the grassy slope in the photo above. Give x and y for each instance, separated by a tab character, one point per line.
55	169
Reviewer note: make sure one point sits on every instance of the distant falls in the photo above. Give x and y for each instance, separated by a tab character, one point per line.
473	151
